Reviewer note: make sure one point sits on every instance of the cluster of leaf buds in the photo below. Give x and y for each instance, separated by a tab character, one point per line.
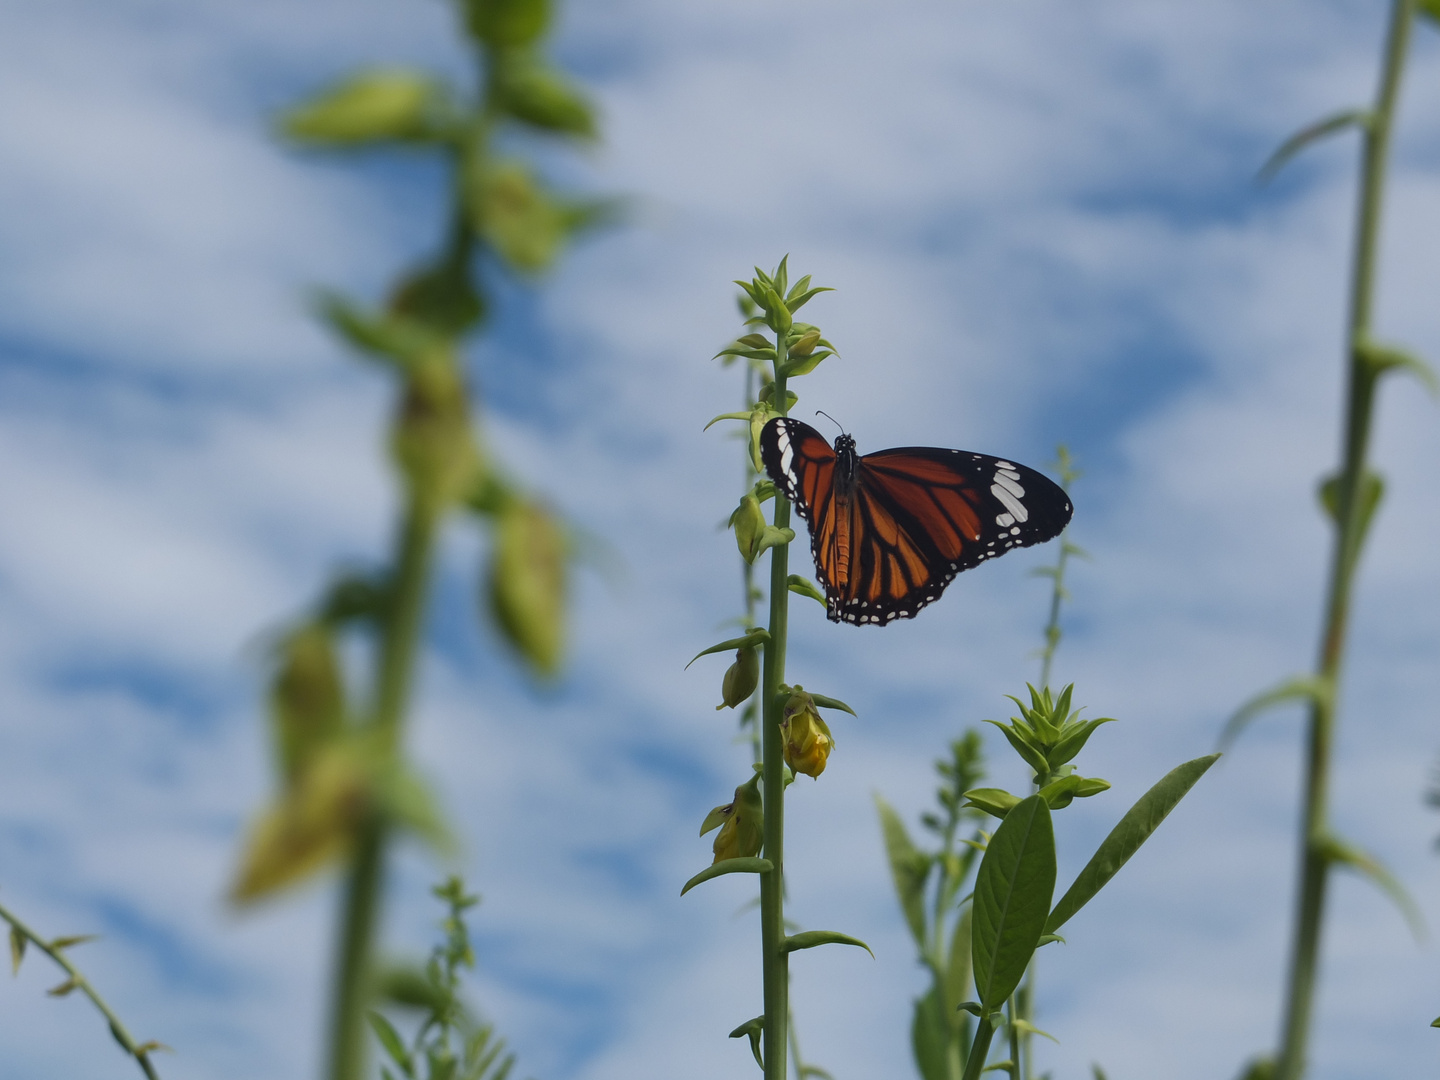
1048	736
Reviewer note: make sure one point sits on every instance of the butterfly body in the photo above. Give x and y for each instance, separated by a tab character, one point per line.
890	530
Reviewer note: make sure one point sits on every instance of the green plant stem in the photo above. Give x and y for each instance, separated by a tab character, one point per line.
1014	1038
776	963
79	982
1310	902
979	1049
747	567
361	903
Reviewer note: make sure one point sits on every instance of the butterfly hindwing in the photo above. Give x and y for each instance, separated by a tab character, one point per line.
890	530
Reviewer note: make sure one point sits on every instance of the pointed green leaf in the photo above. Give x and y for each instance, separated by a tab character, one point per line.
18	941
796	303
61	943
726	416
728	866
1074	741
755	637
996	802
1382	358
375	106
1372	490
957	969
1300	688
1362	862
1313	133
1013	889
909	868
1033	757
805	364
753	1029
930	1037
809	939
803	586
1125	839
832	703
391	1041
64	988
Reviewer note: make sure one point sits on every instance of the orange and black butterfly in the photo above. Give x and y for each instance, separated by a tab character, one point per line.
891	529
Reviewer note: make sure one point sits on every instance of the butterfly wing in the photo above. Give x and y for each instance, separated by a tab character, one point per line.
924	514
891	533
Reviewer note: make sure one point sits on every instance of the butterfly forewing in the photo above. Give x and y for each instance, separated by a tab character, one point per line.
888	538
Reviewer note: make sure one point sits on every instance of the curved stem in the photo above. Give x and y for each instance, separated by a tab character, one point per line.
361	903
79	982
776	964
1350	515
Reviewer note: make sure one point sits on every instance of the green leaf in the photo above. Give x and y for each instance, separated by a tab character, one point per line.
749	353
62	943
391	1041
755	637
1432	9
1064	791
1372	490
1125	839
1300	688
373	107
507	24
401	341
805	364
1030	1029
1013	889
728	866
408	802
957	969
1341	853
832	703
1330	125
795	303
406	985
752	1028
545	99
510	208
1380	358
809	939
726	416
930	1037
803	586
909	868
1074	741
63	989
997	802
1033	757
18	941
441	297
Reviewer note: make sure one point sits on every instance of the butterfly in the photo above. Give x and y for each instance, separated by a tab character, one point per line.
891	529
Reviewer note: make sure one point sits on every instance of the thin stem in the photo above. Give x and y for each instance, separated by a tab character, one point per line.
79	982
361	902
1350	513
980	1049
776	962
1014	1007
747	567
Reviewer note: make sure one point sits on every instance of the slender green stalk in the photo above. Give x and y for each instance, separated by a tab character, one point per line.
1014	1007
361	901
748	568
776	962
77	981
1350	521
979	1049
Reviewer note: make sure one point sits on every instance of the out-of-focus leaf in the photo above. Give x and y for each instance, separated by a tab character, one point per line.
507	24
930	1037
516	216
307	702
909	868
375	106
391	1041
528	583
543	98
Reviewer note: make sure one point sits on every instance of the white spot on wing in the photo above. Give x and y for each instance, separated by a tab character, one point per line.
1010	502
1010	483
1005	521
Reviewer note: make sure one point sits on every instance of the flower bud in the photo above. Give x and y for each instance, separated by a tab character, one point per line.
742	829
431	438
748	521
307	698
740	679
808	741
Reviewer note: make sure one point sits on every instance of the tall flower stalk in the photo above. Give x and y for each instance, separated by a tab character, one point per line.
793	737
1350	498
346	787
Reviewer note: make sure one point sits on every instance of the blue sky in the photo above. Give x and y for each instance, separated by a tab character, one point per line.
1042	225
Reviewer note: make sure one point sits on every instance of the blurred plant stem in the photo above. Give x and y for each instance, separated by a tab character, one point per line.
1353	503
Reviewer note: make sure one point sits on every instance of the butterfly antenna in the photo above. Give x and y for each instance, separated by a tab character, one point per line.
827	416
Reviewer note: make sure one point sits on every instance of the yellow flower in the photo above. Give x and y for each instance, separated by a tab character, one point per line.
742	823
808	741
